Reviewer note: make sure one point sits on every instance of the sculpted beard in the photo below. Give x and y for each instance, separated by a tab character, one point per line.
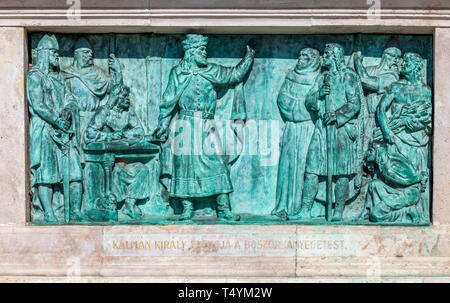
84	58
199	56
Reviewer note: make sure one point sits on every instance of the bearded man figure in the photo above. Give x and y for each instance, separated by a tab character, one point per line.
50	125
117	121
375	80
336	98
88	87
406	131
191	93
298	131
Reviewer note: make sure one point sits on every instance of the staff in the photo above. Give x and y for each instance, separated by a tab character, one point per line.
329	130
65	147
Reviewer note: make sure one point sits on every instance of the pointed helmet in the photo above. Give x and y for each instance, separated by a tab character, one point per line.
48	42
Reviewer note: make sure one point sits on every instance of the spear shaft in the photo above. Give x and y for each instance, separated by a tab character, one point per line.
330	168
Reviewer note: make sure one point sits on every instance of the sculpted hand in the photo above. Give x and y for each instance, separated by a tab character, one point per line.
412	125
389	137
63	124
160	133
357	57
329	118
324	91
250	52
67	114
423	182
113	63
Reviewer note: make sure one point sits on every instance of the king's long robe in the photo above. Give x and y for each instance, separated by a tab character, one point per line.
191	93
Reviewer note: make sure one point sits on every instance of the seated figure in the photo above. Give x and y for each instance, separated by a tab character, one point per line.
117	121
395	195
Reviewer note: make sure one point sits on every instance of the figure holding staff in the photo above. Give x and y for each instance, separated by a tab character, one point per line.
336	99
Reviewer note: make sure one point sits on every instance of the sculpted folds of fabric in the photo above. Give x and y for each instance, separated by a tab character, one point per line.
230	129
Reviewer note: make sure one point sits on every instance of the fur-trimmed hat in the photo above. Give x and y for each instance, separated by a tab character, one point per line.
194	41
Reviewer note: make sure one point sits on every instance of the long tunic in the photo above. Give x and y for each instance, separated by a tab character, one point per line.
86	88
88	85
345	100
45	94
131	182
197	172
297	135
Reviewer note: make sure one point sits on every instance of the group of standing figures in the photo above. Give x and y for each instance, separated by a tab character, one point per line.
360	130
348	125
71	108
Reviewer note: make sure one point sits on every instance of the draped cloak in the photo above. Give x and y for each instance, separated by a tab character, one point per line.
395	197
345	99
85	90
297	134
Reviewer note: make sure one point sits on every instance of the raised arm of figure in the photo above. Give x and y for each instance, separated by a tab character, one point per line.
115	70
369	82
385	103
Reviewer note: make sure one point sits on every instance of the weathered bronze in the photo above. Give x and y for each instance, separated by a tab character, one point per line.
145	129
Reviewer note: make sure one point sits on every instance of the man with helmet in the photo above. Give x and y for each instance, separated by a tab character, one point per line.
50	125
88	87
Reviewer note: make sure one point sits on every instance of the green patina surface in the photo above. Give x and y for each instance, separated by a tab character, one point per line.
230	129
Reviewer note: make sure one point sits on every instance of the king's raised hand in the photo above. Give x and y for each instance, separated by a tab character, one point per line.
250	52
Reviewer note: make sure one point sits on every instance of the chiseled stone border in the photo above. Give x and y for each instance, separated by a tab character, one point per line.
234	16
